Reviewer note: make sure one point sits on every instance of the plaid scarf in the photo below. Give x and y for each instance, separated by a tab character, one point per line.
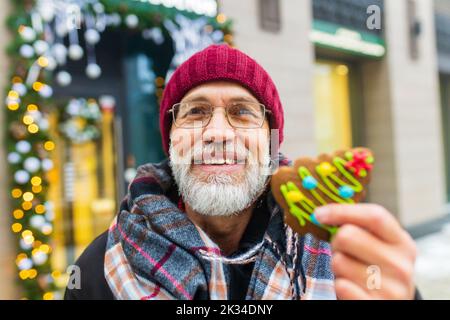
155	252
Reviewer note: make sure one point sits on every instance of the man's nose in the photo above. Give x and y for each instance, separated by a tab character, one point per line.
219	129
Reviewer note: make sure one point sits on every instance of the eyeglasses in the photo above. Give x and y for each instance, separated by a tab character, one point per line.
193	115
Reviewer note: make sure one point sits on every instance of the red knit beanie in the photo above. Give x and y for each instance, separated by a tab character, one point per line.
220	62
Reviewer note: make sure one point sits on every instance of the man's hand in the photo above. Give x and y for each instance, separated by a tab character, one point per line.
369	236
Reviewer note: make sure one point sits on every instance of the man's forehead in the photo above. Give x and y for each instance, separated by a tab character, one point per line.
219	90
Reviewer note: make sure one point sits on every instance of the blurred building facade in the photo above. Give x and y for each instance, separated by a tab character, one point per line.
346	76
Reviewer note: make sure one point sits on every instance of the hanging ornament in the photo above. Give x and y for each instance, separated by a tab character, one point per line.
40	47
28	34
13	157
93	70
23	146
26	51
63	78
46	91
92	36
59	51
75	52
20	88
32	164
132	21
21	176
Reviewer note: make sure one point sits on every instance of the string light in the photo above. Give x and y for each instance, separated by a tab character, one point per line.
28	196
16	193
18	214
221	18
40	209
33	128
42	62
17	79
26	205
32	273
49	145
36	189
48	296
36	181
32	107
23	274
16	227
13	95
37	86
27	119
13	106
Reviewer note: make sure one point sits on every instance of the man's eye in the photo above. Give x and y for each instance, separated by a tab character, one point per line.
197	111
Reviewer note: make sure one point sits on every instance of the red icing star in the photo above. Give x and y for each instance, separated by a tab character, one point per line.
358	163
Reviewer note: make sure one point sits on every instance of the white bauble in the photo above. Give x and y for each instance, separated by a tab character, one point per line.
21	176
93	70
75	52
61	29
47	228
99	8
46	91
40	46
92	36
26	51
39	258
44	124
28	34
46	9
63	78
24	245
23	146
25	264
47	164
130	174
51	65
20	88
37	221
32	164
132	21
59	51
13	157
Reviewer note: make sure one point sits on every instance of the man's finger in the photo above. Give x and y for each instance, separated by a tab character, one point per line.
347	290
345	266
371	217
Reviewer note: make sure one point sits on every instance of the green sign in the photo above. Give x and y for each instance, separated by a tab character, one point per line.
333	36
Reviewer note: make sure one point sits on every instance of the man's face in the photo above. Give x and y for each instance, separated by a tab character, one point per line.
218	167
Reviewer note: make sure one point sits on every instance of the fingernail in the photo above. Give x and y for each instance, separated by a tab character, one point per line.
313	219
321	213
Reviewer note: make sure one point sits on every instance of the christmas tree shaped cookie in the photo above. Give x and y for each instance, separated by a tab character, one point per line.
310	183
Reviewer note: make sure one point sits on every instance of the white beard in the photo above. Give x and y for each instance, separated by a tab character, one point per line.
219	194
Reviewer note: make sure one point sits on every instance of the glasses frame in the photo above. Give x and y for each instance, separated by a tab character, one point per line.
265	111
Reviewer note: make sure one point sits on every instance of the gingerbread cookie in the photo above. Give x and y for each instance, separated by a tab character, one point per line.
310	183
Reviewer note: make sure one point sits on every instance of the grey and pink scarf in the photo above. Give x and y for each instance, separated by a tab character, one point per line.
155	252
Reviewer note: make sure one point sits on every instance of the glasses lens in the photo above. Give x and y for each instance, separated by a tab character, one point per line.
192	114
246	115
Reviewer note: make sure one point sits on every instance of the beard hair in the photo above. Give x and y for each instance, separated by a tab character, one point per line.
220	194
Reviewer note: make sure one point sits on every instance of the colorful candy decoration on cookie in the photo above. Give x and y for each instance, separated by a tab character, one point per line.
310	183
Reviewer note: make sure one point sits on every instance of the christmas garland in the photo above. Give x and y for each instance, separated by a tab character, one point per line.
29	102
